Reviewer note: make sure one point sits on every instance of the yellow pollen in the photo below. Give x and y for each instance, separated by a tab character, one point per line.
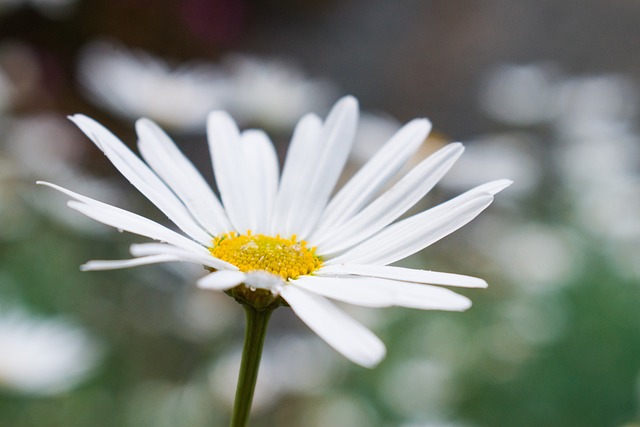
288	258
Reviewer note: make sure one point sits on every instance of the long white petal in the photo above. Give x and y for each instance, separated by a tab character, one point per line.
141	177
373	175
393	203
208	260
415	233
304	148
126	263
376	292
221	280
166	159
125	220
403	274
339	330
351	290
229	168
261	168
336	139
493	187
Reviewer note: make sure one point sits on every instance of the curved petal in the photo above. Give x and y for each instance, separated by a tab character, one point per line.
117	264
261	168
393	203
221	280
403	274
228	167
166	159
296	172
376	292
373	175
141	177
336	139
339	330
125	220
350	290
207	260
415	233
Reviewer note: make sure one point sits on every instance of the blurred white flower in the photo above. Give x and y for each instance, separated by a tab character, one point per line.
611	211
47	145
43	356
537	256
271	93
135	84
597	155
597	159
587	104
514	155
519	94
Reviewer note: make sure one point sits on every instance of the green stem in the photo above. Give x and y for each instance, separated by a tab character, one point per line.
255	332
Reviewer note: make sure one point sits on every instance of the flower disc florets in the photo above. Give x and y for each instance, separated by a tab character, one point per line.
262	254
287	258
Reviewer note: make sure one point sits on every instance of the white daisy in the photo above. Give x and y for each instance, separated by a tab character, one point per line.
281	238
271	92
43	356
134	83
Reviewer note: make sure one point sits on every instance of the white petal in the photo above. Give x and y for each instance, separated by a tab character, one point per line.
336	139
125	220
393	203
221	280
493	187
229	168
419	231
340	331
181	176
404	274
376	292
208	260
415	233
373	175
264	280
304	148
141	177
125	263
351	290
261	168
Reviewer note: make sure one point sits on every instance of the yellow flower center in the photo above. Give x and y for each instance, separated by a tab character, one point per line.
288	258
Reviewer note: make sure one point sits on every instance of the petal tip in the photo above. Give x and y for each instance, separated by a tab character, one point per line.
374	359
500	185
347	105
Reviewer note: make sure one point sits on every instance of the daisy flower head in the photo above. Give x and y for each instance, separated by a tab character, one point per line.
281	238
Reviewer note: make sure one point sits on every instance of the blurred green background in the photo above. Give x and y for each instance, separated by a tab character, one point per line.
542	92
